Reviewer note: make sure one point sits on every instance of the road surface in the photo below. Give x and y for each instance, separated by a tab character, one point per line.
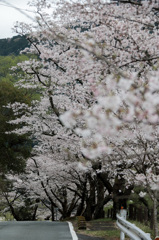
27	230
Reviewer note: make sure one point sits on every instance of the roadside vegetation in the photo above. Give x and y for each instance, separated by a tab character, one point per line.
95	228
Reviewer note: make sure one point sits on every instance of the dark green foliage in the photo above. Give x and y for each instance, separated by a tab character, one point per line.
14	45
14	149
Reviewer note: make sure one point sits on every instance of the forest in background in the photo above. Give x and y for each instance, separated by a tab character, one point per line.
13	46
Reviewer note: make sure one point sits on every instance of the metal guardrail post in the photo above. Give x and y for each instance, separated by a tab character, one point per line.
123	214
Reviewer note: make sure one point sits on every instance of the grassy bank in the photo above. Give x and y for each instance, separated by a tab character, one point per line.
107	229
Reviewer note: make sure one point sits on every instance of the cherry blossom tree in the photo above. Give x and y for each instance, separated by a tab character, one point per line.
55	185
17	198
97	72
142	167
120	95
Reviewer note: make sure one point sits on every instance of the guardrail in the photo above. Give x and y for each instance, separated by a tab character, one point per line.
130	229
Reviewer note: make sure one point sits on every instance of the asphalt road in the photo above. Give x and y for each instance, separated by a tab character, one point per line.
85	237
35	231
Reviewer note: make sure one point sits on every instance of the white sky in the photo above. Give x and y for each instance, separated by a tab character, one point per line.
9	16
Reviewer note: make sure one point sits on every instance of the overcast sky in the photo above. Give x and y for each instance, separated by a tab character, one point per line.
9	16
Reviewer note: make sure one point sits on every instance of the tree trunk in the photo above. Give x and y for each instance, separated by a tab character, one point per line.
13	213
99	212
34	213
120	195
12	209
90	201
80	207
155	214
52	213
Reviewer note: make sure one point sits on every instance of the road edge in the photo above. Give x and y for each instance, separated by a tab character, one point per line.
73	233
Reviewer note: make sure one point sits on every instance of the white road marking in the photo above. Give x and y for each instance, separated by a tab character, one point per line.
74	236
